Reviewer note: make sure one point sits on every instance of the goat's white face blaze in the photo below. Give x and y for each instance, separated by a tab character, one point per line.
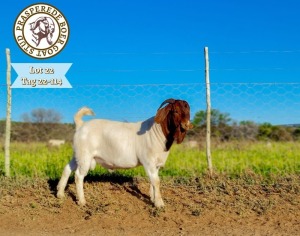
125	145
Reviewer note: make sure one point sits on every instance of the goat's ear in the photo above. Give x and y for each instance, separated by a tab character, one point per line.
162	113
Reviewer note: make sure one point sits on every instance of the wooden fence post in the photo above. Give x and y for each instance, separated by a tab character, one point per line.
8	115
208	113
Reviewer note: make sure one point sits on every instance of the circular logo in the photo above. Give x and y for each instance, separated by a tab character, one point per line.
41	31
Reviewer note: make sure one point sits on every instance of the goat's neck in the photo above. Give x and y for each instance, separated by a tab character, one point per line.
169	131
158	134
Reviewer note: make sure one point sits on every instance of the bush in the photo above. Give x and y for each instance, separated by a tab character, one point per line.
41	132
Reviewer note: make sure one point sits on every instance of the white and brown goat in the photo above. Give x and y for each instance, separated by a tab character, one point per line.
121	145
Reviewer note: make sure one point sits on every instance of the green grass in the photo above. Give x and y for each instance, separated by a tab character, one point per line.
234	159
278	158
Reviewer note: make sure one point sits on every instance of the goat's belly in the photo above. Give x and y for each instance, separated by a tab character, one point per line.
117	163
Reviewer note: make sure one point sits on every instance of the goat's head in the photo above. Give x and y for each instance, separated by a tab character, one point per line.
174	119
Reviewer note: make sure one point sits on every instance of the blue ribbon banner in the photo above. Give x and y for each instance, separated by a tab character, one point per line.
41	75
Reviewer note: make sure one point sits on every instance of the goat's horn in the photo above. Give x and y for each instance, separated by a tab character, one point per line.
170	100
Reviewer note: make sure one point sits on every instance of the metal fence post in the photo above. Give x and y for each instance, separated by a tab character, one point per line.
208	113
8	115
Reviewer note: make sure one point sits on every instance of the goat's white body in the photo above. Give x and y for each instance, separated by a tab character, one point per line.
116	145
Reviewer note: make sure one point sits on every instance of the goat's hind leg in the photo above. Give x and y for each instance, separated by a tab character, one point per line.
71	166
80	173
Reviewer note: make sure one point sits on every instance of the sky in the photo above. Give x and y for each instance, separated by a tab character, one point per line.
128	56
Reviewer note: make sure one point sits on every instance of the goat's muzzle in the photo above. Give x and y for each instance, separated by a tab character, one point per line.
187	126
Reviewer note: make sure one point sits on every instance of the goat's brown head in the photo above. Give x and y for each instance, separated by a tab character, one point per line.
174	120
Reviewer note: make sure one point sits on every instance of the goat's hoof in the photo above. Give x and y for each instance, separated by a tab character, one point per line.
159	204
81	202
60	195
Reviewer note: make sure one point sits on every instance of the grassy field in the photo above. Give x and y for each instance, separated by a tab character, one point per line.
255	190
233	159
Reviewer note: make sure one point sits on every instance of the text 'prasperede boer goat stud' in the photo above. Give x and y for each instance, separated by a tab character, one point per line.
122	145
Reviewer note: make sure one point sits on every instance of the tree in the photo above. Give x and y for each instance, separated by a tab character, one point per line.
245	130
280	133
265	131
268	131
296	134
220	127
217	118
42	115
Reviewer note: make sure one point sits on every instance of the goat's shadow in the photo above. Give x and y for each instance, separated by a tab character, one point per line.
129	184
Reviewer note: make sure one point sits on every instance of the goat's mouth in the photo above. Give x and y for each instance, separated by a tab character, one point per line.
187	126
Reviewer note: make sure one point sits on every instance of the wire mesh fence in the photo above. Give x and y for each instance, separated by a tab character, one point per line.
276	103
241	112
237	103
117	102
266	102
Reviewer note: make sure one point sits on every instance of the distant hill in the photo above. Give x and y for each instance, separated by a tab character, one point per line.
43	132
291	125
38	132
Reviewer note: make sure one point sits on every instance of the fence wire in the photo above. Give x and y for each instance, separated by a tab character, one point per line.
275	103
258	102
118	102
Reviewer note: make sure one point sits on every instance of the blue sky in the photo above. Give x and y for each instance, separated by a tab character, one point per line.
161	42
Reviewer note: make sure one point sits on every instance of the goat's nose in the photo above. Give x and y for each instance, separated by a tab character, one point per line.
188	125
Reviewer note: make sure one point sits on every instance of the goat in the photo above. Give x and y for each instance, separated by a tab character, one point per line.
56	142
124	145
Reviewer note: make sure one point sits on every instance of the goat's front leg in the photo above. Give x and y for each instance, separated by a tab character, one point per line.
155	194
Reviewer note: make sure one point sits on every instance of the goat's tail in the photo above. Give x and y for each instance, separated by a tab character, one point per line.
82	112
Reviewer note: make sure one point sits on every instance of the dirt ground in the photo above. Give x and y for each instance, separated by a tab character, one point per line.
121	206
